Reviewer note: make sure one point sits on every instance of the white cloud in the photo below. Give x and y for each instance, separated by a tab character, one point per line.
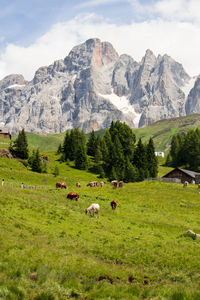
92	3
178	39
182	10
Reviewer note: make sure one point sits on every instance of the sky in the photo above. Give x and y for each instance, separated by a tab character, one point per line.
35	33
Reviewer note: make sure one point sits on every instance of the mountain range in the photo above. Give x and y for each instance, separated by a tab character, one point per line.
92	86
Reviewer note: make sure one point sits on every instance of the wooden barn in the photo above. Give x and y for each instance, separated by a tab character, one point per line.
183	175
5	134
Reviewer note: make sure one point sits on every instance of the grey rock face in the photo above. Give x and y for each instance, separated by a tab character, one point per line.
91	87
193	101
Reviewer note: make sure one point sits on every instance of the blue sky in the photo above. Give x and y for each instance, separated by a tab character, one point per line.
37	32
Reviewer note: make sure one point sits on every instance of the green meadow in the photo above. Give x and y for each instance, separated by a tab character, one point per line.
49	248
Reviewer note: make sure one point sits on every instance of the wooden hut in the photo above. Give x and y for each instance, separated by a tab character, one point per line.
5	134
183	175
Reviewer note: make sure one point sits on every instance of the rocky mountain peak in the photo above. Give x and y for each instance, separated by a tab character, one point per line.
90	53
92	86
12	80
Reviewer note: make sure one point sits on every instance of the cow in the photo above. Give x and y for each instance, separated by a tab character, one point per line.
92	184
113	204
121	183
94	208
114	183
61	185
78	184
102	183
185	184
73	196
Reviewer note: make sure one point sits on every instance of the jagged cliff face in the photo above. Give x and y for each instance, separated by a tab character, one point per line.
91	87
193	101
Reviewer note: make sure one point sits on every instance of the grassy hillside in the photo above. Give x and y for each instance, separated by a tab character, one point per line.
161	131
51	250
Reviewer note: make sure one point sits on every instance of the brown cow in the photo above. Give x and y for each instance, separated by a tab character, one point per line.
73	196
61	185
113	204
78	184
114	183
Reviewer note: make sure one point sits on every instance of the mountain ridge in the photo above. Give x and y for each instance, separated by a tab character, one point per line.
92	86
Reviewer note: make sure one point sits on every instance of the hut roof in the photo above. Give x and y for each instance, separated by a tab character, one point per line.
190	173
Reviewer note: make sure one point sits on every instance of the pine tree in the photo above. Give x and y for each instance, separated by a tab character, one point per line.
140	160
118	160
81	160
131	172
174	151
19	148
152	159
60	149
92	144
113	174
36	163
168	161
67	146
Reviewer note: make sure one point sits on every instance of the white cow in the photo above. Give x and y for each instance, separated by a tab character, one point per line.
94	208
185	184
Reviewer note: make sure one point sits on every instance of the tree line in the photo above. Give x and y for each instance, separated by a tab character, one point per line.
185	150
19	149
116	155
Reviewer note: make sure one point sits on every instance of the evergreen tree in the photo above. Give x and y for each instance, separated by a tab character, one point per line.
98	155
36	163
101	172
174	150
140	160
168	161
81	160
118	160
131	172
92	144
60	150
67	146
113	174
126	137
152	159
19	148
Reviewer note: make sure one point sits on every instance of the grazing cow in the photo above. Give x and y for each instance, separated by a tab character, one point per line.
73	196
78	184
121	183
94	208
102	183
114	183
61	185
185	184
92	184
113	204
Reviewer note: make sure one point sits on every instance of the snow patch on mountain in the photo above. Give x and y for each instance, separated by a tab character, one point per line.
122	103
16	86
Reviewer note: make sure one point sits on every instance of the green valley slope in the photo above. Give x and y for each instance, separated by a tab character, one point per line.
161	131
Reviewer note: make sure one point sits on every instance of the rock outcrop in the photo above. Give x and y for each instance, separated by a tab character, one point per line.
91	87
